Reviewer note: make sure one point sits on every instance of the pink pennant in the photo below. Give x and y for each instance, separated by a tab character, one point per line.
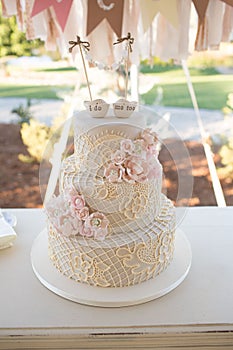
61	8
228	2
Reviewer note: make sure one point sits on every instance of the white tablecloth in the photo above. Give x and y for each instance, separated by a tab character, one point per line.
202	303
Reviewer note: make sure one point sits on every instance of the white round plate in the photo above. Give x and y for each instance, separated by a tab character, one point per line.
82	293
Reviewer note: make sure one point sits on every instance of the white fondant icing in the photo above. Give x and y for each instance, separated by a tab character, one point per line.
141	236
84	122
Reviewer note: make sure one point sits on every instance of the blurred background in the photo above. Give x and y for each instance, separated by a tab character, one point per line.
37	87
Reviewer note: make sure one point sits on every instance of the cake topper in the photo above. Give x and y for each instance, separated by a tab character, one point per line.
98	108
129	44
124	108
86	46
115	65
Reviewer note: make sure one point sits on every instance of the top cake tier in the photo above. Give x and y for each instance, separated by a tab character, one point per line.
84	122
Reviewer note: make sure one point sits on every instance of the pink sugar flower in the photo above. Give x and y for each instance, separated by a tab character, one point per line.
57	205
69	225
136	169
55	208
100	234
97	223
149	136
118	157
114	172
86	231
71	191
83	213
127	146
152	149
155	169
128	178
140	148
78	201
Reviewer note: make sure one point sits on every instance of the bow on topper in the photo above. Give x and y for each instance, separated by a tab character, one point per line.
129	39
130	42
85	44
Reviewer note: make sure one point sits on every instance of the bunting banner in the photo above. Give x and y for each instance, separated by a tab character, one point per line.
228	2
56	21
201	7
4	11
150	8
110	10
61	8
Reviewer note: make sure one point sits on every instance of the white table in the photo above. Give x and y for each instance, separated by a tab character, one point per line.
197	314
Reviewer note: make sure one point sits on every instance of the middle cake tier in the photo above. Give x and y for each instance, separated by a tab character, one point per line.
127	205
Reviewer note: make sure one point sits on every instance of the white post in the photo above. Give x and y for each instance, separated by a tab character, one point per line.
59	148
218	192
134	82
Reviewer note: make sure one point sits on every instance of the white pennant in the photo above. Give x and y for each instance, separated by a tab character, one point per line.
150	8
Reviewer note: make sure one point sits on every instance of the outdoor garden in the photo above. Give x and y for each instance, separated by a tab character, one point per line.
22	142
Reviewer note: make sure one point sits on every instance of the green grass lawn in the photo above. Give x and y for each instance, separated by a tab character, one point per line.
211	88
32	91
58	70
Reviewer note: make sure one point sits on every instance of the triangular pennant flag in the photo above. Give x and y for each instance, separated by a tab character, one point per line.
149	9
61	8
201	7
228	2
97	11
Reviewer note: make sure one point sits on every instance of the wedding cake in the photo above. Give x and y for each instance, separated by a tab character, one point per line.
110	225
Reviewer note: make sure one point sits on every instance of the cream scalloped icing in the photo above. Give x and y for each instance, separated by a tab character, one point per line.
141	219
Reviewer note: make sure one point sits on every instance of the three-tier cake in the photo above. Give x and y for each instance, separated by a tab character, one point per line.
111	226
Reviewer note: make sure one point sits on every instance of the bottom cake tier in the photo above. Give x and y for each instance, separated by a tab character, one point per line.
121	260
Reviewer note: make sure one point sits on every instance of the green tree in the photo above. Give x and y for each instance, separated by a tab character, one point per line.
13	41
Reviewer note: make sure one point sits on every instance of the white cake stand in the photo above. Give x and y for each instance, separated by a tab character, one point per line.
82	293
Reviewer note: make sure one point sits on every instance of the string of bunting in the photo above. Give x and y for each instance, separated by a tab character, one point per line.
115	65
125	59
66	17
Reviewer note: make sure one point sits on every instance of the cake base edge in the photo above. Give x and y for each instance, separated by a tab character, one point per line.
82	293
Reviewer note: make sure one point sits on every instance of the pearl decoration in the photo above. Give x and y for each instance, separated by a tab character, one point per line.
101	65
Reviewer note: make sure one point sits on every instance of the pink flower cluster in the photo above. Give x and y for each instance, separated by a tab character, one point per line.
135	161
69	214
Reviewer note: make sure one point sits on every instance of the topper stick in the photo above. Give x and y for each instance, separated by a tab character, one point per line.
130	41
81	44
127	72
85	71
